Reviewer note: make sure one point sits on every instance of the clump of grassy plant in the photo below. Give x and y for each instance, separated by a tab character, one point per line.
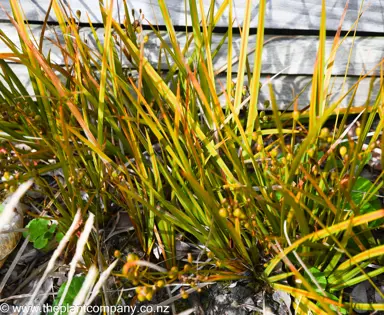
252	189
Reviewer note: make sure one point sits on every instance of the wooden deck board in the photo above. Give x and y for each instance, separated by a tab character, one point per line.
285	54
280	14
285	87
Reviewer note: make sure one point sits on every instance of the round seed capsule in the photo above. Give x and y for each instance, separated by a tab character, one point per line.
223	213
184	294
343	151
324	133
149	296
132	257
141	297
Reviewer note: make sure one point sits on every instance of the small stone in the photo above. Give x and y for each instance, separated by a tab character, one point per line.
378	298
359	294
283	298
249	304
221	299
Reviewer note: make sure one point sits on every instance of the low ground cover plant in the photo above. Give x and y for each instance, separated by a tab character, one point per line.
265	196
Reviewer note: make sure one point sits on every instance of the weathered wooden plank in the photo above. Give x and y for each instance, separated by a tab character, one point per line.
297	55
280	14
285	87
288	55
